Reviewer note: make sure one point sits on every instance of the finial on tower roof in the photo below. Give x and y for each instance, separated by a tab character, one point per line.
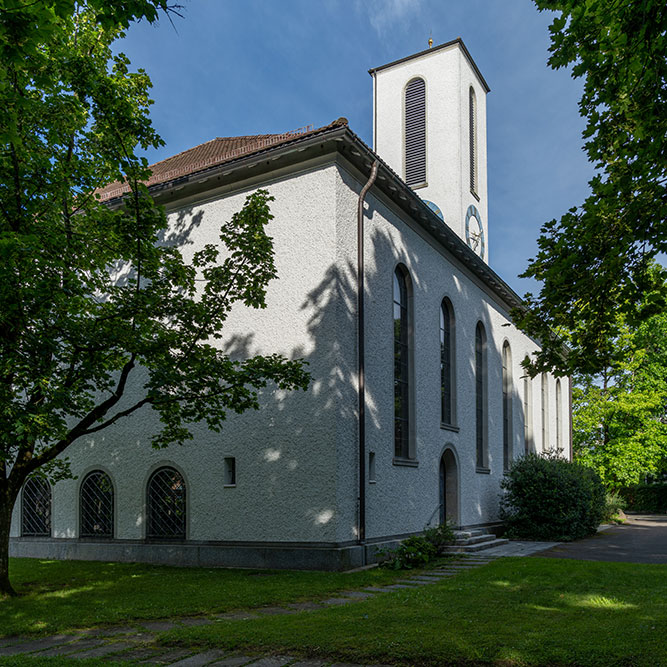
430	42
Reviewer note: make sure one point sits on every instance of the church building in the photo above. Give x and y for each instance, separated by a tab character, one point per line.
418	401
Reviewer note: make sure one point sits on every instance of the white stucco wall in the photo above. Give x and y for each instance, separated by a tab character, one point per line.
285	454
449	76
296	459
403	498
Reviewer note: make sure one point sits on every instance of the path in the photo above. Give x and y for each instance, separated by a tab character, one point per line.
137	642
643	539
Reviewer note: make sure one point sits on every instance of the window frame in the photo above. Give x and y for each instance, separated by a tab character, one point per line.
112	519
481	399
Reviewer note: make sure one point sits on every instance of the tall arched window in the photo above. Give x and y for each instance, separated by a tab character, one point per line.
527	414
36	508
472	133
559	423
447	375
507	405
166	505
96	502
402	370
480	397
415	133
545	414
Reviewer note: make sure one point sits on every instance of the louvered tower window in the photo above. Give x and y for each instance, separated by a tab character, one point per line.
36	508
96	505
415	133
472	120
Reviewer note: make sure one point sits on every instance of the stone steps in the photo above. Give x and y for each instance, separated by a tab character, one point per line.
472	541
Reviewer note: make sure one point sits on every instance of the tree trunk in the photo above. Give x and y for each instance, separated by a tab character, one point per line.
6	507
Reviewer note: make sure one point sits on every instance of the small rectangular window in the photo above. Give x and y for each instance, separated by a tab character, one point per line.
371	467
230	471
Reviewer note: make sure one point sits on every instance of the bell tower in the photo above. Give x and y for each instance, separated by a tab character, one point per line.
429	125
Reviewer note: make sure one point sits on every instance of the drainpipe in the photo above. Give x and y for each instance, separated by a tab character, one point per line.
361	528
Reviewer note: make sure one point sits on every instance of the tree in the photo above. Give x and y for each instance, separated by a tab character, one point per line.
594	262
92	298
620	416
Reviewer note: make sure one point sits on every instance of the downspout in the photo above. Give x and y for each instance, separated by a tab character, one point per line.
361	528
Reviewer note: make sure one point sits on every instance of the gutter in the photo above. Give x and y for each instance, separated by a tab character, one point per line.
361	527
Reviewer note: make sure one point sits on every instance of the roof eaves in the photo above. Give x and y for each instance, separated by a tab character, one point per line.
454	42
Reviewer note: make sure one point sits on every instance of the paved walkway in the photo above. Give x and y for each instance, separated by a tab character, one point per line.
643	539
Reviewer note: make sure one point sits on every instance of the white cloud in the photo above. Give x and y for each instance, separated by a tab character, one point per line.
389	14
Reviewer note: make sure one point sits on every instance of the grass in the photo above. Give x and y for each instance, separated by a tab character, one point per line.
63	596
528	611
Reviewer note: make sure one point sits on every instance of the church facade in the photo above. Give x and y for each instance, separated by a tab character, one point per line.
417	429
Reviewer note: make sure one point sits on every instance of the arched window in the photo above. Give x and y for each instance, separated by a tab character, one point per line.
559	423
480	397
527	414
166	505
415	133
96	498
507	405
472	127
447	357
36	508
402	364
545	414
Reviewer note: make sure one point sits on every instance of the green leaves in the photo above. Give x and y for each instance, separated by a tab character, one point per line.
92	299
594	262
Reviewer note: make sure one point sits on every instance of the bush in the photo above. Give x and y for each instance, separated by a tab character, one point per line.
440	535
646	497
413	552
549	498
614	506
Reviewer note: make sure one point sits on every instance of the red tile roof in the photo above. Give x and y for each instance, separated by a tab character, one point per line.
212	153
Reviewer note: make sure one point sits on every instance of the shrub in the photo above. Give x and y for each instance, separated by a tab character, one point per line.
614	506
440	535
413	552
549	498
646	497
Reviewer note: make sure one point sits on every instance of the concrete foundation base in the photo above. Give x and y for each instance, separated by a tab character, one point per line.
272	556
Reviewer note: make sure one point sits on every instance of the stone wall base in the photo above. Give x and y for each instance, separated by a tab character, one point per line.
273	556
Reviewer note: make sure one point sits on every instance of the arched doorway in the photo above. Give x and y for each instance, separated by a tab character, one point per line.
449	488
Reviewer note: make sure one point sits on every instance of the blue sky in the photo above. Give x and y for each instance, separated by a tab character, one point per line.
234	67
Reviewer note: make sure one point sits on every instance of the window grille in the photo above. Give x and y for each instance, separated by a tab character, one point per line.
415	132
446	364
472	124
401	366
36	508
96	505
166	505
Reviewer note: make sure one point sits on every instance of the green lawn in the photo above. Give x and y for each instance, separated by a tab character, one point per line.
529	611
61	596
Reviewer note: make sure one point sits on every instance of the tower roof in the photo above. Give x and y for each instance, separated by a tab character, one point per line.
447	45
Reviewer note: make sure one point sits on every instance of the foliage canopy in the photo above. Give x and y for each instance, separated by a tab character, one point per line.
97	299
594	262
